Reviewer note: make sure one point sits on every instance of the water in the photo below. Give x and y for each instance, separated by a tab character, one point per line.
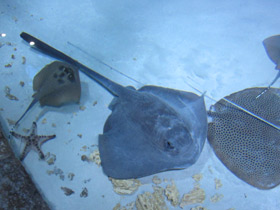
213	46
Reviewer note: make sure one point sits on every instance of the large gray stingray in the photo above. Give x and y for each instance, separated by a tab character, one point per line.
245	135
150	130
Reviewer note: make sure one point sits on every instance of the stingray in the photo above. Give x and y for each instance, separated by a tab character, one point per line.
58	83
150	130
247	145
272	48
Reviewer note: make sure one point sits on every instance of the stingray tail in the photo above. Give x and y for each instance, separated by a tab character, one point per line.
269	86
111	86
34	101
252	114
105	64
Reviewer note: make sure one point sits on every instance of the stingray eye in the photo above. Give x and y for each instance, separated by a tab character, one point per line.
169	145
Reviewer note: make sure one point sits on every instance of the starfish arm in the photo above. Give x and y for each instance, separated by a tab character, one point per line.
37	148
39	141
18	136
34	129
43	139
25	151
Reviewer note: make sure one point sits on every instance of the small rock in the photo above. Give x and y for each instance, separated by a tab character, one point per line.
196	195
198	208
218	184
125	186
51	158
8	65
216	198
84	193
23	60
71	176
156	180
67	191
172	194
7	91
197	177
155	200
84	158
95	157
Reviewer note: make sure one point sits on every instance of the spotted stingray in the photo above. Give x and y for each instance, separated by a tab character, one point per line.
248	146
58	83
150	130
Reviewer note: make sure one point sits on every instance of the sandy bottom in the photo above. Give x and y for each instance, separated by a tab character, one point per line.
214	47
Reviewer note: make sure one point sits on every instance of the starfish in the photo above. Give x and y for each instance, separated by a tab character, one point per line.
32	141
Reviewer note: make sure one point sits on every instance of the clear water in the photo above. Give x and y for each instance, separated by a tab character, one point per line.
215	46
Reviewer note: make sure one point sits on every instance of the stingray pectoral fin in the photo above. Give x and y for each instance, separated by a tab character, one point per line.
43	76
64	95
126	153
196	118
34	101
123	149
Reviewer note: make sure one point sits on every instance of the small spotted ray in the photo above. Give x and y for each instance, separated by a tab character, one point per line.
58	83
